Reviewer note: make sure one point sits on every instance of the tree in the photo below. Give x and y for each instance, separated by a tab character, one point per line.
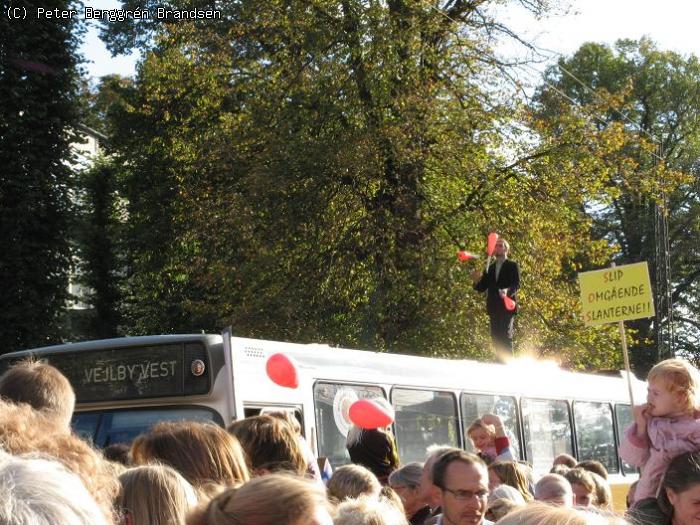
307	171
38	89
99	100
99	247
654	97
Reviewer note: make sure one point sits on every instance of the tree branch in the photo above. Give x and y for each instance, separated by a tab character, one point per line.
687	281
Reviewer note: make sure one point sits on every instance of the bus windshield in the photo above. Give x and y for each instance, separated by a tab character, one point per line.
105	428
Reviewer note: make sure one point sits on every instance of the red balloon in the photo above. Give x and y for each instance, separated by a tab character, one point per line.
509	303
491	243
368	414
282	370
464	255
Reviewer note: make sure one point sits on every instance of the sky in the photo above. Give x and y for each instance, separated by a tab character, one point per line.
673	25
100	61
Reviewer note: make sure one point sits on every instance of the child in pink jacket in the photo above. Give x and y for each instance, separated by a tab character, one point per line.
667	425
489	439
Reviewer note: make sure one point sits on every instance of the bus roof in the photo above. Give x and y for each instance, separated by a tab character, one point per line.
117	342
528	377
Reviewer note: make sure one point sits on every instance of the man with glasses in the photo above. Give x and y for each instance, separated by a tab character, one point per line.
462	481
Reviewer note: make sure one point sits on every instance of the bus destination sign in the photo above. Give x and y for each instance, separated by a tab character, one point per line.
124	373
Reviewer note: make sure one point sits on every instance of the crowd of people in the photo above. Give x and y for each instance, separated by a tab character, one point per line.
260	471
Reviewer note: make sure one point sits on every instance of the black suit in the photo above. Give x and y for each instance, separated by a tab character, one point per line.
501	320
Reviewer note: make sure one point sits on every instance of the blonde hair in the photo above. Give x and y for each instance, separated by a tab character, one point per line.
603	494
501	507
155	495
542	514
391	496
478	424
274	499
566	460
680	377
352	481
24	430
512	475
42	492
202	452
369	511
583	478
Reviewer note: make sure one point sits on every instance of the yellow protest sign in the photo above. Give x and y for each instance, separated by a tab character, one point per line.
616	294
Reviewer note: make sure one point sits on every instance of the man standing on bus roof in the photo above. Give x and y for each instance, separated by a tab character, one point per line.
500	279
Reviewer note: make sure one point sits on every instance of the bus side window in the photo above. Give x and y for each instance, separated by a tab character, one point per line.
623	418
331	404
476	405
595	435
547	431
423	418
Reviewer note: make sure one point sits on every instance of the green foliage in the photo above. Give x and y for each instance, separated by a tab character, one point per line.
647	101
38	90
100	251
98	101
307	172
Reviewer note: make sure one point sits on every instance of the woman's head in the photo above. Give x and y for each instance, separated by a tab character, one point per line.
680	489
603	494
592	465
369	511
43	492
406	482
542	514
390	495
154	495
583	487
501	501
564	459
24	430
508	473
274	499
287	417
673	387
352	481
500	507
270	444
483	436
375	449
202	452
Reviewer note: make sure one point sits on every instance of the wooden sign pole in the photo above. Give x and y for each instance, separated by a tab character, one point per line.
625	354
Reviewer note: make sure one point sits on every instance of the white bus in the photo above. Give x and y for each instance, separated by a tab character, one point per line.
125	385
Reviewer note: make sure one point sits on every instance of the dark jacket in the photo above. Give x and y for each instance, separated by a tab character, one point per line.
508	277
420	516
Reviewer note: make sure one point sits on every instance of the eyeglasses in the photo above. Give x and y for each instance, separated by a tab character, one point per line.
464	495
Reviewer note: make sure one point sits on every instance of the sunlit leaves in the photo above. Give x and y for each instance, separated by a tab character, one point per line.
643	127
